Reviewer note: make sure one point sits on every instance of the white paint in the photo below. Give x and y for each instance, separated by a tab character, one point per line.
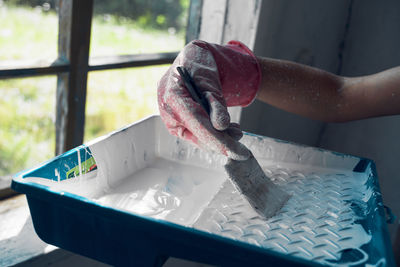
250	180
122	153
79	162
86	185
146	171
306	212
166	190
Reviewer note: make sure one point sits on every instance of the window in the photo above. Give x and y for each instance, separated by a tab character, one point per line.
116	98
78	55
137	27
27	132
27	33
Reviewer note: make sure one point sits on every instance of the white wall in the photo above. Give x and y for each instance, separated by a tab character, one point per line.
372	45
309	32
345	37
225	20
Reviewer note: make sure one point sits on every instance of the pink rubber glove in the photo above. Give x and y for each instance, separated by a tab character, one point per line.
227	76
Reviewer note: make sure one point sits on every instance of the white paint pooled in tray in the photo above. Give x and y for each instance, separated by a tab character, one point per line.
166	190
317	223
146	171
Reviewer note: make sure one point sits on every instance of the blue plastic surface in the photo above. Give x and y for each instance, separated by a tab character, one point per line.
124	239
121	238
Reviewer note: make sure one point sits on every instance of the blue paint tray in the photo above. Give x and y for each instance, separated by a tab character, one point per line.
139	195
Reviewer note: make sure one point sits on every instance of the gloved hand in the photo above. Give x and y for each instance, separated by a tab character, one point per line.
227	76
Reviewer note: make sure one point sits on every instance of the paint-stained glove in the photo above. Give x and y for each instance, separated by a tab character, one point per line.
227	76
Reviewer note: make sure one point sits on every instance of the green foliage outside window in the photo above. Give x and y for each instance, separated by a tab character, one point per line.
115	98
148	13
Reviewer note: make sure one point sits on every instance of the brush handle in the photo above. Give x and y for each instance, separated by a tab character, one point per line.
195	93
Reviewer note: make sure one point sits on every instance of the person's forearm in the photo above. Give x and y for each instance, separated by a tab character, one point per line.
323	96
378	94
300	89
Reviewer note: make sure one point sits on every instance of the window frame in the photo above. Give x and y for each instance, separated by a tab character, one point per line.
74	63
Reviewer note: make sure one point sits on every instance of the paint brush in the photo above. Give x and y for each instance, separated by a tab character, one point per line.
249	179
247	176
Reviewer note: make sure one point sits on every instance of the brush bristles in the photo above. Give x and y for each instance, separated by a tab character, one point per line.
266	197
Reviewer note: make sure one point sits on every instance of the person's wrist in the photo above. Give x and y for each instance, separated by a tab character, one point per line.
239	72
243	81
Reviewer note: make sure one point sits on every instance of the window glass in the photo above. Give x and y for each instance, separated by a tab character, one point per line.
119	97
138	26
28	30
27	116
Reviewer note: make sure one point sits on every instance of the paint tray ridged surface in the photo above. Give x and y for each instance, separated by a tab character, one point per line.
140	195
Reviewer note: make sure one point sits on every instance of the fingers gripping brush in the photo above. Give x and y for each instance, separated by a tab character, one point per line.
247	176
